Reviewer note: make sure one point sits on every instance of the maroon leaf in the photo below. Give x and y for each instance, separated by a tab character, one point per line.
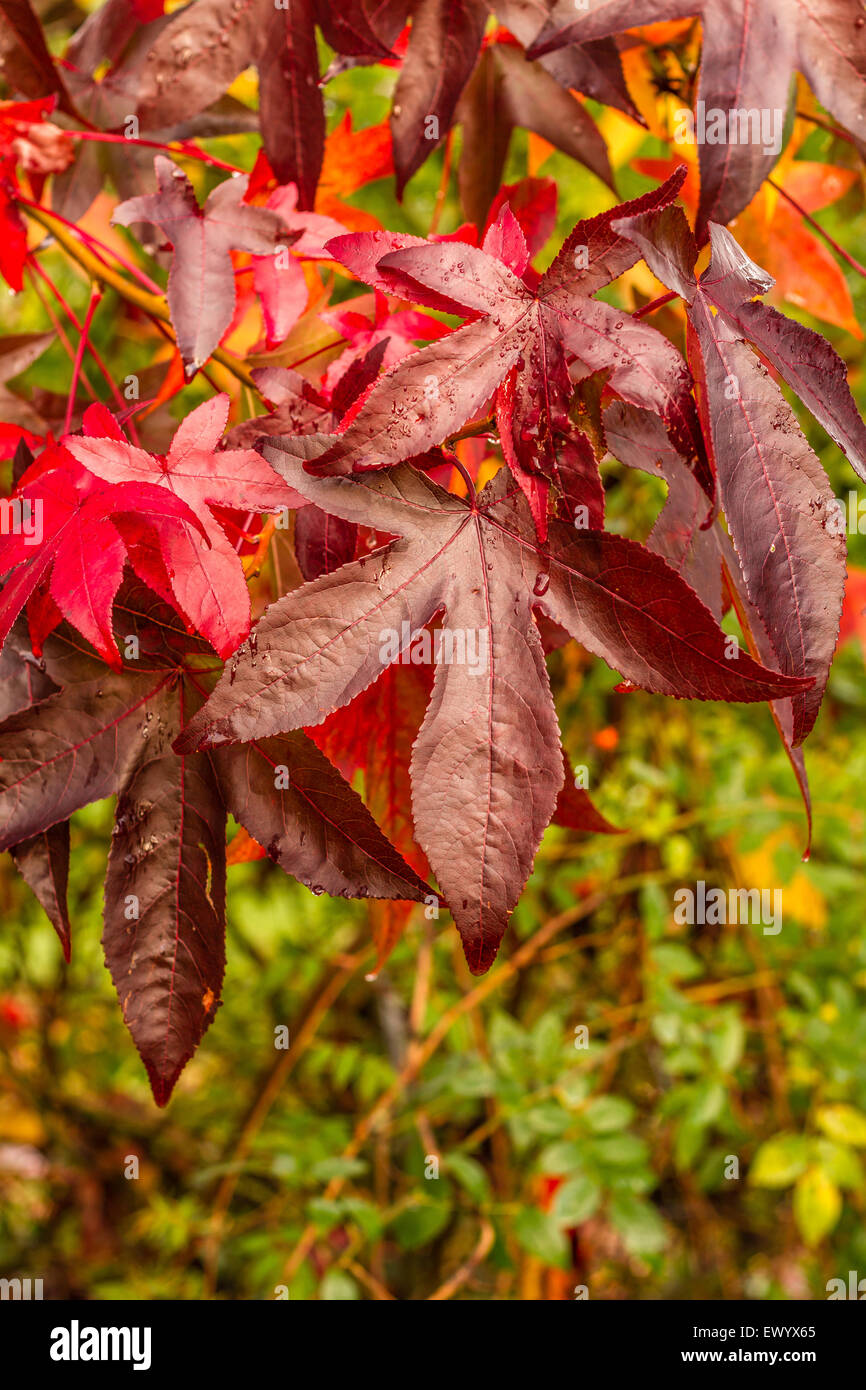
487	766
574	809
680	534
594	68
750	54
429	396
443	49
43	862
73	748
507	92
23	678
805	359
291	106
25	62
776	496
323	543
108	732
353	26
298	408
313	825
201	283
196	57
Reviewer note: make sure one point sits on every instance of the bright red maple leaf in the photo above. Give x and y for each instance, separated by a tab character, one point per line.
204	573
66	536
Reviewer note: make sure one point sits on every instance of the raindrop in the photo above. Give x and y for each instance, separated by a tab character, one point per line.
541	585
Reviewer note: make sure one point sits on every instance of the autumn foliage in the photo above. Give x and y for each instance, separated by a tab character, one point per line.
387	448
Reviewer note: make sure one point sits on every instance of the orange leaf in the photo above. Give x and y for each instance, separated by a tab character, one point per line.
353	158
244	849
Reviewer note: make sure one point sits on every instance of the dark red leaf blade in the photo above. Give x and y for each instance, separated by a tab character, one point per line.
444	43
750	54
291	105
43	862
164	915
316	827
776	496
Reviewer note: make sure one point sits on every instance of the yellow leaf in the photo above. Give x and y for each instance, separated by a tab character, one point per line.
843	1123
817	1205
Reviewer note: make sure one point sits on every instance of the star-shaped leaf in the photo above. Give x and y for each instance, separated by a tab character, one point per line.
201	282
204	571
487	766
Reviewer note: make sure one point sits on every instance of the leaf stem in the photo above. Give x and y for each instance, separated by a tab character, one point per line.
93	242
466	476
185	150
655	304
95	297
36	270
825	125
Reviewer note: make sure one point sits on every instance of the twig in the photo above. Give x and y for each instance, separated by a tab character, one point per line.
335	982
655	304
467	1269
95	297
522	956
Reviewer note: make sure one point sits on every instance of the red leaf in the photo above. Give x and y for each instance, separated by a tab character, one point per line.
206	576
776	496
68	536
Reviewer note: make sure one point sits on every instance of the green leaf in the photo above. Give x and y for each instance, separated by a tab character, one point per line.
608	1113
548	1041
573	1089
839	1163
676	962
576	1200
843	1123
707	1103
727	1042
338	1287
817	1205
328	1168
620	1151
547	1118
539	1234
562	1157
418	1225
470	1175
642	1229
780	1161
